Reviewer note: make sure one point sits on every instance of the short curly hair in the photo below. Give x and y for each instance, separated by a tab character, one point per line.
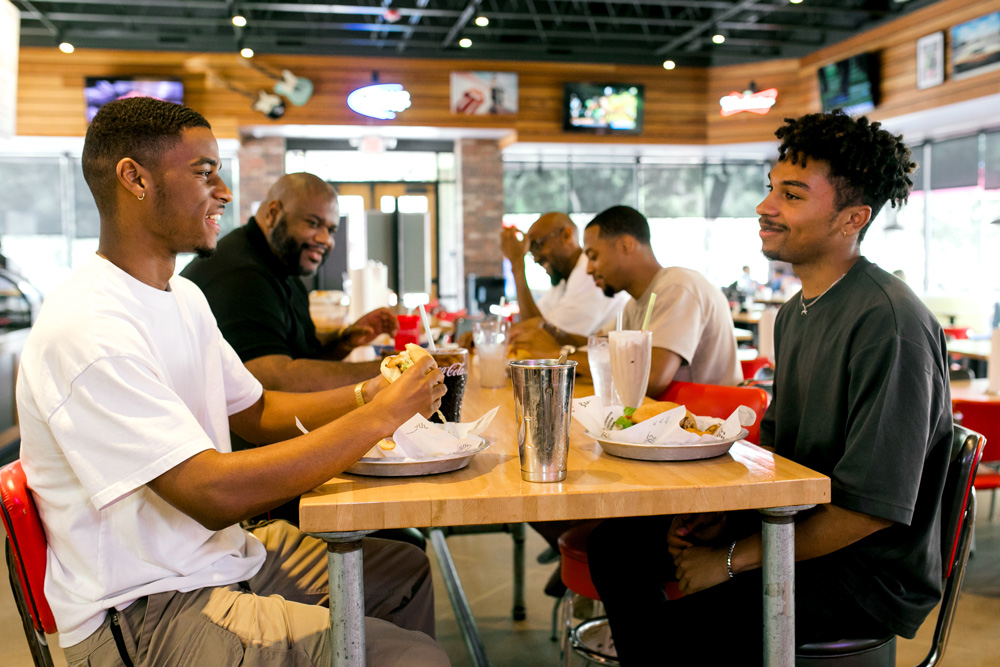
868	165
142	128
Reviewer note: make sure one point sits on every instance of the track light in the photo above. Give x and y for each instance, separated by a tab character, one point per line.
669	64
465	42
246	52
66	47
239	21
482	21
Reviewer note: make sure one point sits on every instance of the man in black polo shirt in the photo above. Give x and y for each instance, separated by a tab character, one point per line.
253	286
860	394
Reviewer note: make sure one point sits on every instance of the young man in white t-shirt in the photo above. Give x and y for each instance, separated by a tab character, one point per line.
126	396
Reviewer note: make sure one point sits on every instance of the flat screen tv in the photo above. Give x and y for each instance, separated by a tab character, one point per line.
99	91
850	84
603	108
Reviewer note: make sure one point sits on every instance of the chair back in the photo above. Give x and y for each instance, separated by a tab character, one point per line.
713	400
958	515
26	546
983	417
751	366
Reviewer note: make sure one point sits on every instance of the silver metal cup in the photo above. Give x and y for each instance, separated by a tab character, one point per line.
543	394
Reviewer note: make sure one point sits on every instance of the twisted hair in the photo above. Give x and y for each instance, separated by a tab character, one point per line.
141	128
619	220
868	165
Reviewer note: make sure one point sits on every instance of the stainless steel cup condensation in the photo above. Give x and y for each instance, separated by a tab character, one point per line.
543	394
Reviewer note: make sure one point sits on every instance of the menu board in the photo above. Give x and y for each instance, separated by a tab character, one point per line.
10	34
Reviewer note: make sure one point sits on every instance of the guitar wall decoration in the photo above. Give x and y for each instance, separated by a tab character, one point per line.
296	89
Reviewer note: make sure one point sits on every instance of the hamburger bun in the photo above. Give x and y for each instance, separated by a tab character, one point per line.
653	408
394	366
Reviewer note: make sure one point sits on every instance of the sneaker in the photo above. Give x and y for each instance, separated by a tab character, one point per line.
555	587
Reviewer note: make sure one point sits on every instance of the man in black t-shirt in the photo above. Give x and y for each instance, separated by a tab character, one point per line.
860	394
253	285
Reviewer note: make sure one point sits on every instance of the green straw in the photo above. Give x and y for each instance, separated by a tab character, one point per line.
649	311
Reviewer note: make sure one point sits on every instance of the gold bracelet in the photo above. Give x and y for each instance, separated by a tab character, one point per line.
359	393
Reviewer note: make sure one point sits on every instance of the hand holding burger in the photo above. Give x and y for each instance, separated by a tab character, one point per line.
416	384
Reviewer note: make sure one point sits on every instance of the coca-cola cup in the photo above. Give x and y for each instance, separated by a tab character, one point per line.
454	363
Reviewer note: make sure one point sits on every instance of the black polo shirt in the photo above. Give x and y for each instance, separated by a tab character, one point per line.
261	308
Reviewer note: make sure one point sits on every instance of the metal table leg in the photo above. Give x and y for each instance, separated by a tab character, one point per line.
459	603
778	538
347	598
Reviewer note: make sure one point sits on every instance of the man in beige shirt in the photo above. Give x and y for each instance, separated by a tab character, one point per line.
691	321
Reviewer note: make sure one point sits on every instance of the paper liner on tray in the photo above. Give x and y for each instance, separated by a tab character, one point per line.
663	429
419	439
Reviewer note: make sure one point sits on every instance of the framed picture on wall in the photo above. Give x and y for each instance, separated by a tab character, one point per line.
975	46
930	60
483	93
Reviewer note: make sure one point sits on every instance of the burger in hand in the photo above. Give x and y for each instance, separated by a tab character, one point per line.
394	366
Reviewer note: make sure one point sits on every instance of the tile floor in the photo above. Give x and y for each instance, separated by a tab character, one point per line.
480	559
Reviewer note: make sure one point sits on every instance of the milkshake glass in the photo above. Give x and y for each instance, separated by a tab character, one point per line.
631	354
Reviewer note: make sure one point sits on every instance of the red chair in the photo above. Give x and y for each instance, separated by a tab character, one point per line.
957	333
751	366
983	417
702	399
958	515
26	547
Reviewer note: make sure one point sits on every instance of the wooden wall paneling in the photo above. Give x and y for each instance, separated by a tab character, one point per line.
681	105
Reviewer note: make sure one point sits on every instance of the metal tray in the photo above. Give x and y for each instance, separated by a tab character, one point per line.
401	468
668	452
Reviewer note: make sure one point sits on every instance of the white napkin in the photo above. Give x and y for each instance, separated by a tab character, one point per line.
419	439
993	364
660	430
765	333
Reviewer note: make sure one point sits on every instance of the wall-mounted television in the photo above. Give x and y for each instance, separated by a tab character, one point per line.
98	91
603	108
851	84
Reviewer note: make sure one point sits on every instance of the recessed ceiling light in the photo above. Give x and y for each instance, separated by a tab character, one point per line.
795	2
66	47
482	21
669	64
465	42
239	21
718	38
246	52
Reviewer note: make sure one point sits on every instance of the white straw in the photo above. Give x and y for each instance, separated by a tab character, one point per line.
619	320
427	328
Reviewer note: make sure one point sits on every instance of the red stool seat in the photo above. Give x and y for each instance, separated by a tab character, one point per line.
575	568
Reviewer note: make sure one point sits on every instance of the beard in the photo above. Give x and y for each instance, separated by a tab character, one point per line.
609	291
555	277
204	253
288	249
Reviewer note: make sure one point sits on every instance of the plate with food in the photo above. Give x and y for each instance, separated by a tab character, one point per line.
661	430
406	467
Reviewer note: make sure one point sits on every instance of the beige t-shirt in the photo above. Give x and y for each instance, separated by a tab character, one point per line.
691	318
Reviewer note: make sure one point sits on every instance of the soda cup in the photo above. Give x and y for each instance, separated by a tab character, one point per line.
454	363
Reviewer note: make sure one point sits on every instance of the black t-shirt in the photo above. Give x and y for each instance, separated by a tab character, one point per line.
861	394
261	309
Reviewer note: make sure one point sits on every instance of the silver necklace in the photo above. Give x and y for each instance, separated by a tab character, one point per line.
807	306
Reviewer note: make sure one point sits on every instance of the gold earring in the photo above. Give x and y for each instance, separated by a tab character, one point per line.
842	231
143	196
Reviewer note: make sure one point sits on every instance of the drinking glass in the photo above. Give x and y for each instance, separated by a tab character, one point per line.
599	360
491	336
631	355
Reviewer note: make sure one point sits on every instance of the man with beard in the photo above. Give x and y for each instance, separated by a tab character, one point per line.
574	304
691	321
254	288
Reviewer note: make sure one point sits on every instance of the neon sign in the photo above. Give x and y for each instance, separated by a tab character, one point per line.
379	100
754	102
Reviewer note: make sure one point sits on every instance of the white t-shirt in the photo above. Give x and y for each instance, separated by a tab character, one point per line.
578	305
691	318
120	382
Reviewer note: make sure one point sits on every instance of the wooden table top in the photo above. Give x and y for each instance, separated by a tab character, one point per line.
973	349
490	489
752	317
973	390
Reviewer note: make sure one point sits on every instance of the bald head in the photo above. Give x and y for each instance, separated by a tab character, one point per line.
292	187
554	245
299	218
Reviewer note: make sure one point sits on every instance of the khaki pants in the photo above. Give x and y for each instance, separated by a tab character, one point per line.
281	623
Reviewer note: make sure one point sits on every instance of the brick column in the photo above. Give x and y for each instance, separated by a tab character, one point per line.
480	190
262	162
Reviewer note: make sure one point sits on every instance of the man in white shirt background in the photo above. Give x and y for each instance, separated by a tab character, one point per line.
574	304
